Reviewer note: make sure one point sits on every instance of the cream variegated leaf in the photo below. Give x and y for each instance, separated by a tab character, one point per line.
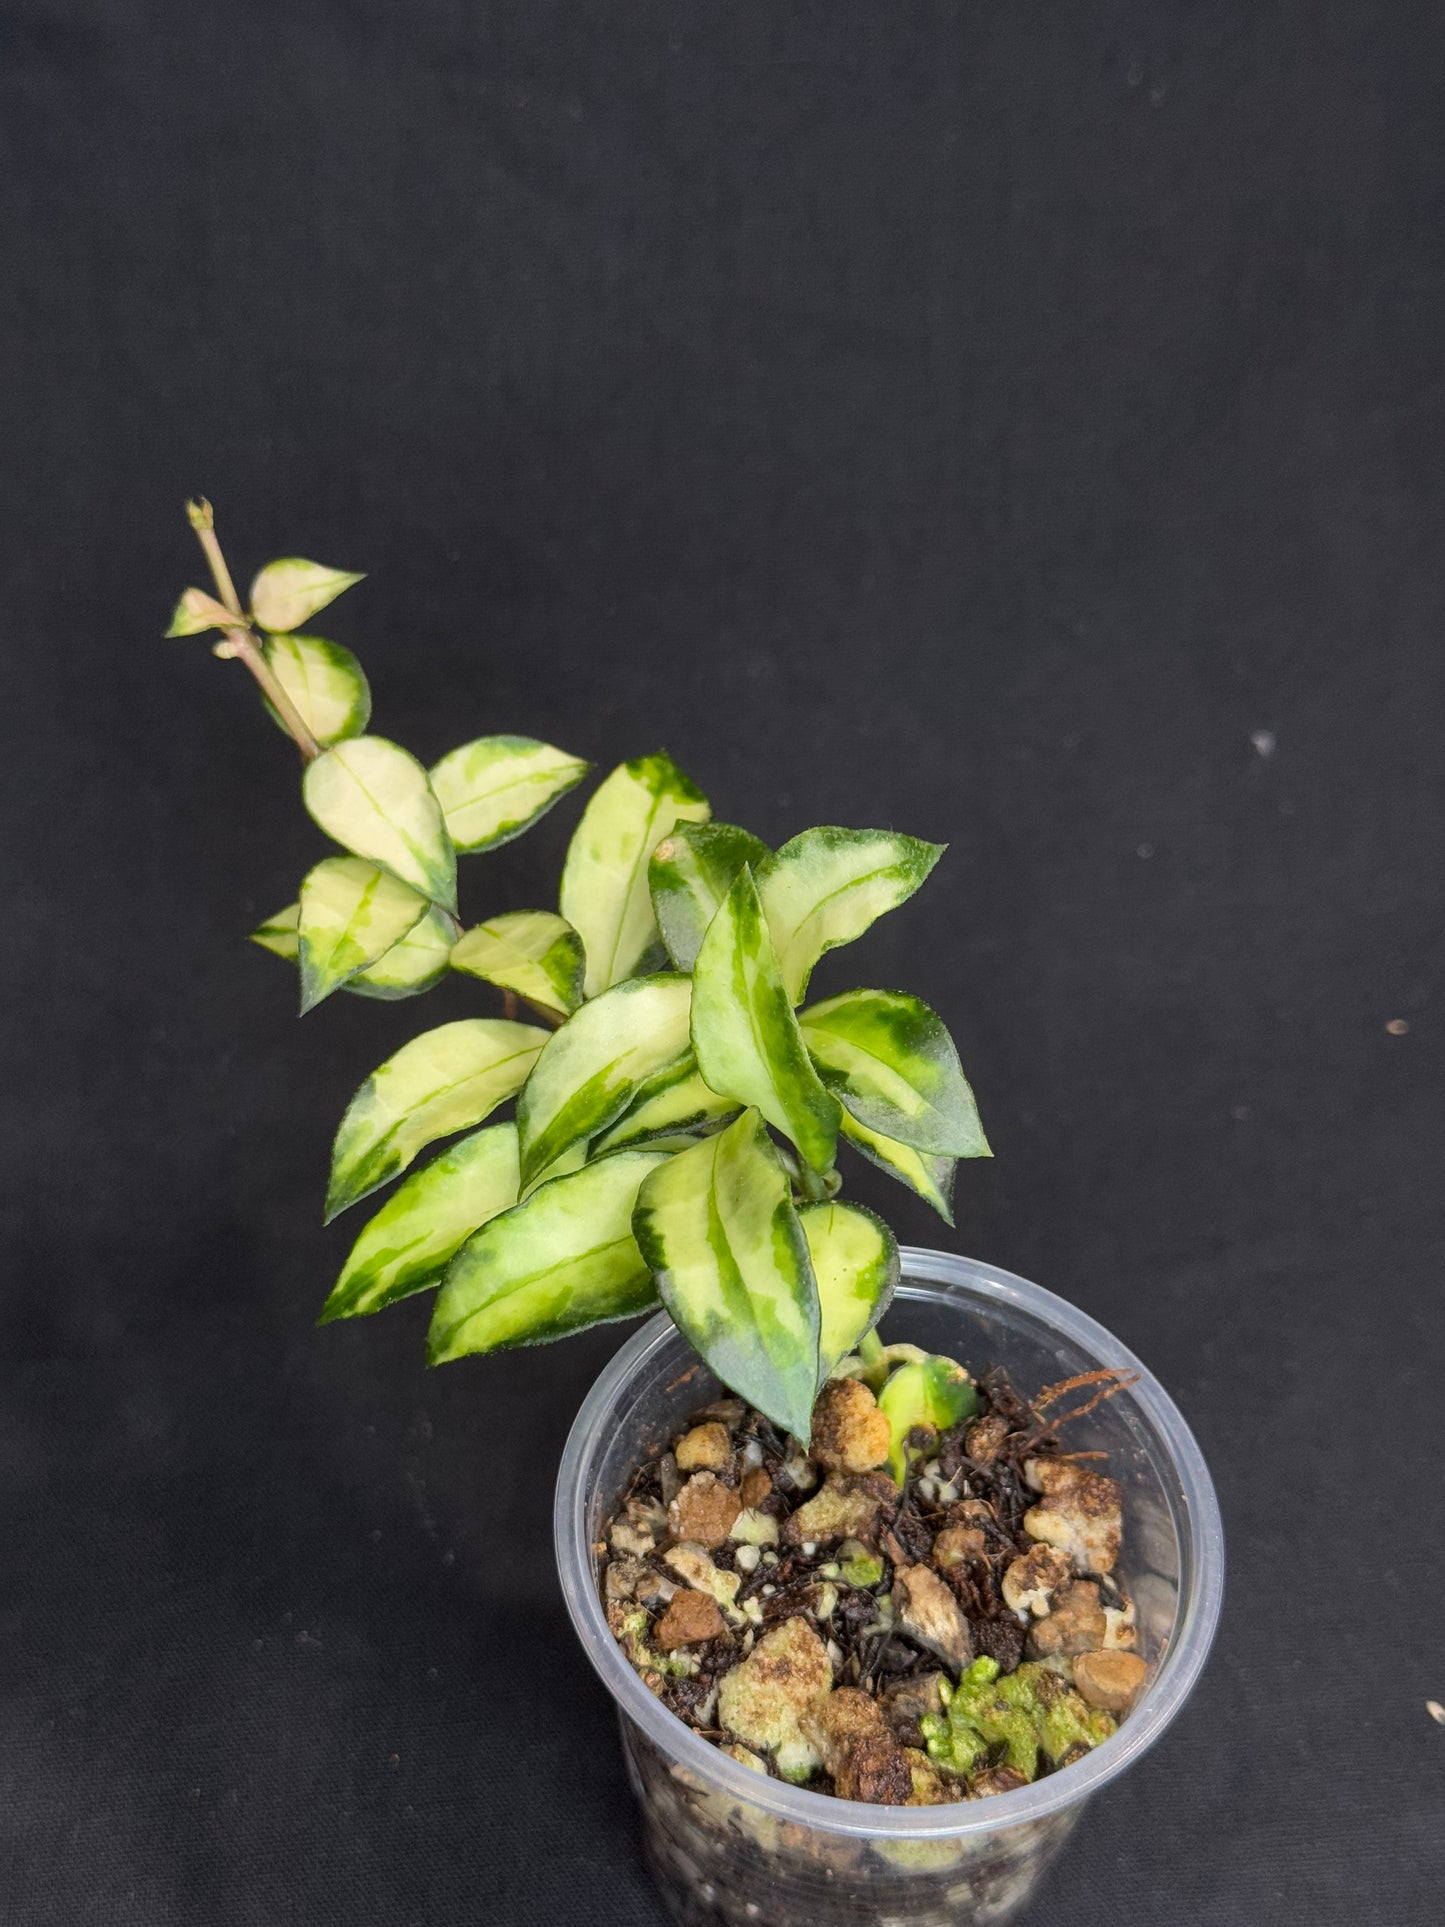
288	592
856	1266
196	612
931	1392
691	872
827	886
324	681
888	1059
745	1034
409	1243
930	1176
717	1226
667	1107
493	789
605	894
533	952
446	1080
350	914
278	934
374	799
562	1260
415	964
613	1051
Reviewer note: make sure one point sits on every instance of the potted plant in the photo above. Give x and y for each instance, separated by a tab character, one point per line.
875	1627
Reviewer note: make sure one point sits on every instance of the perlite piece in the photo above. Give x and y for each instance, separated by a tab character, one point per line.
695	1569
762	1700
846	1508
1031	1581
1081	1512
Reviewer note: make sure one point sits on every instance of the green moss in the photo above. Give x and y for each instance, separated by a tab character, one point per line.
1019	1716
859	1564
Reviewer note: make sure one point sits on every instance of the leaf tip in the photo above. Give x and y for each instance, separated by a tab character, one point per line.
313	994
338	1199
438	1346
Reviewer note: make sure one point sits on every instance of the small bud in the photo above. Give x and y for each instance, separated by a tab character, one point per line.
200	514
225	650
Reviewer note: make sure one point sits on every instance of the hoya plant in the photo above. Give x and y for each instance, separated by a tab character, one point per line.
679	1104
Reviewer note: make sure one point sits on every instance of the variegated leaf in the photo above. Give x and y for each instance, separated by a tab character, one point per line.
446	1080
856	1266
350	914
605	894
691	871
932	1391
196	612
888	1059
413	964
826	887
533	952
571	1160
493	789
613	1051
324	681
744	1031
375	800
931	1177
410	967
681	1104
717	1226
408	1245
287	592
562	1260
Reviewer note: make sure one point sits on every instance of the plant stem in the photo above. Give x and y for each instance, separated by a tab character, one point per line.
813	1184
241	640
875	1365
202	518
513	1004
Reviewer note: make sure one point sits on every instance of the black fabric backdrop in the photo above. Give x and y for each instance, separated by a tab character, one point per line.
1001	422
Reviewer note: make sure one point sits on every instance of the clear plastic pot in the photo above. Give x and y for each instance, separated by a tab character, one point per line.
730	1846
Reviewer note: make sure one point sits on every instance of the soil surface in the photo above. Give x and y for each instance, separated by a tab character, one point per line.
946	1635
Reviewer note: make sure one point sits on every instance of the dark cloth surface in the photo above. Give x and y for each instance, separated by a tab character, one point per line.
1018	425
